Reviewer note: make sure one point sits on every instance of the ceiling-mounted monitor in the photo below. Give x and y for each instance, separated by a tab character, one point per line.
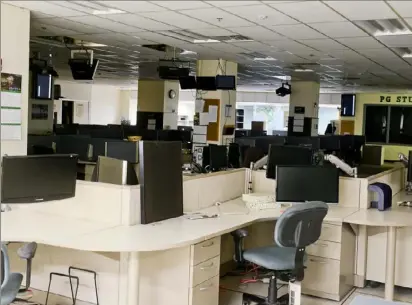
225	82
42	86
206	83
83	69
188	82
172	72
347	105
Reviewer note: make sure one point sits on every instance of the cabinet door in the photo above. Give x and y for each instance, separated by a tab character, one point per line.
322	275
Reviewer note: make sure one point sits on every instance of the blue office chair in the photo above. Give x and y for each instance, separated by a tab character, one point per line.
11	281
298	227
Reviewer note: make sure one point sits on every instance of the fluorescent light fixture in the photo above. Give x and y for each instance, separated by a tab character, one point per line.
409	55
303	70
93	44
110	11
264	58
187	52
205	41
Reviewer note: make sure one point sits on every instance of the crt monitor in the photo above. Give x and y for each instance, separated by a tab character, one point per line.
287	155
225	82
307	183
38	178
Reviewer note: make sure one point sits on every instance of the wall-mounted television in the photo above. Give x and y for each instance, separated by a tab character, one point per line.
348	105
42	86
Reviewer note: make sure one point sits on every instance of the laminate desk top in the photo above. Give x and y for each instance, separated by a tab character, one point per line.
44	228
396	216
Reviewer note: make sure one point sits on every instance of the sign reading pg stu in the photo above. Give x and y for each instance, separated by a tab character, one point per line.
397	99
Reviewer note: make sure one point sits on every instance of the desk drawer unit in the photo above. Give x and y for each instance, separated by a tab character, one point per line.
205	250
325	249
206	293
204	271
331	232
322	274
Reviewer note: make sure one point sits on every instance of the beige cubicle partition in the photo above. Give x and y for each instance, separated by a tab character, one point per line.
112	205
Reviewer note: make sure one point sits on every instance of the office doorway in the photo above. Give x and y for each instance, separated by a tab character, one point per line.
67	112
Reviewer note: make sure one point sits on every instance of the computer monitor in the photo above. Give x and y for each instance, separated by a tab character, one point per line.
123	150
313	142
187	82
32	179
329	143
409	176
225	82
78	145
206	83
264	142
161	180
218	158
307	183
287	155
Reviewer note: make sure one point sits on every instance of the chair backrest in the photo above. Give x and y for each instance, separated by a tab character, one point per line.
300	225
5	265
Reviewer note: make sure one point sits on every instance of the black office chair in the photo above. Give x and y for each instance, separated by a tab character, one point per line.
298	227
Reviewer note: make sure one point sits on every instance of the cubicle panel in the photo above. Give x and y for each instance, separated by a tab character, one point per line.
55	259
204	190
261	184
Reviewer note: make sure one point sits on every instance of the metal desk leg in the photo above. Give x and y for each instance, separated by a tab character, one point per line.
390	264
133	279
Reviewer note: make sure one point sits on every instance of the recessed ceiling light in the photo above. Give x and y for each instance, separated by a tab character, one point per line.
93	44
264	58
187	52
110	11
205	40
407	55
303	70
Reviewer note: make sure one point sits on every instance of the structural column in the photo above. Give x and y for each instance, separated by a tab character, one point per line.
158	101
303	108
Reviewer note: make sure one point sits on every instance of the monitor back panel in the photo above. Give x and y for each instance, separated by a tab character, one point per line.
161	180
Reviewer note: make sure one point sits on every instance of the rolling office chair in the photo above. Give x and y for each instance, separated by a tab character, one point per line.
27	252
11	281
298	227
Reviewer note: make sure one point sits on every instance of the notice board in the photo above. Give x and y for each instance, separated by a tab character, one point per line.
213	126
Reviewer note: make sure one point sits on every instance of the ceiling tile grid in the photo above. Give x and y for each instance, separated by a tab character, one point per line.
327	34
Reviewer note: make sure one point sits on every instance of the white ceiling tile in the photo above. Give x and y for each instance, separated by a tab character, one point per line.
133	6
396	41
338	29
39	29
69	24
176	19
257	33
252	46
217	17
37	15
231	3
323	44
226	47
213	32
261	14
409	21
363	10
297	31
104	24
141	22
48	7
403	8
182	5
359	43
309	11
159	37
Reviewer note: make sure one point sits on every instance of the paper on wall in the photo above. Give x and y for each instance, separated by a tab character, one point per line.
213	114
199	138
10	116
199	129
199	104
79	110
203	118
10	99
10	132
